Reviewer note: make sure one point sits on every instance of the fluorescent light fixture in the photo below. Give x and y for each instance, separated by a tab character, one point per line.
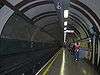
69	31
89	39
65	13
65	23
64	36
65	28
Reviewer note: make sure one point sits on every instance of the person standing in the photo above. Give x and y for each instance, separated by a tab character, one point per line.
76	52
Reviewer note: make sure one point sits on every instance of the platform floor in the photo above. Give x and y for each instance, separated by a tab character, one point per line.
63	64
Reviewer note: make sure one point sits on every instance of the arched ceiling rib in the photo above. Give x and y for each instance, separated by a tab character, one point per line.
36	4
49	15
47	20
48	25
79	24
76	27
39	9
72	27
45	13
86	23
81	21
27	3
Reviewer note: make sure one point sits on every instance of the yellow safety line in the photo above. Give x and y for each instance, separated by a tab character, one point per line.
48	63
63	64
84	71
48	68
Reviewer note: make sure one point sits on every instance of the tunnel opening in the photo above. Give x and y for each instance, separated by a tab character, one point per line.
33	31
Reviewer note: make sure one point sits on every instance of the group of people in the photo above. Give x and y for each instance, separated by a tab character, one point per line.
75	50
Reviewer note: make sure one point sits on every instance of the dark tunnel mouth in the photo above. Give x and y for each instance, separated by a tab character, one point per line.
36	37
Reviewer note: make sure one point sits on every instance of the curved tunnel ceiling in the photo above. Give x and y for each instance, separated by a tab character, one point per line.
39	16
87	12
86	19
